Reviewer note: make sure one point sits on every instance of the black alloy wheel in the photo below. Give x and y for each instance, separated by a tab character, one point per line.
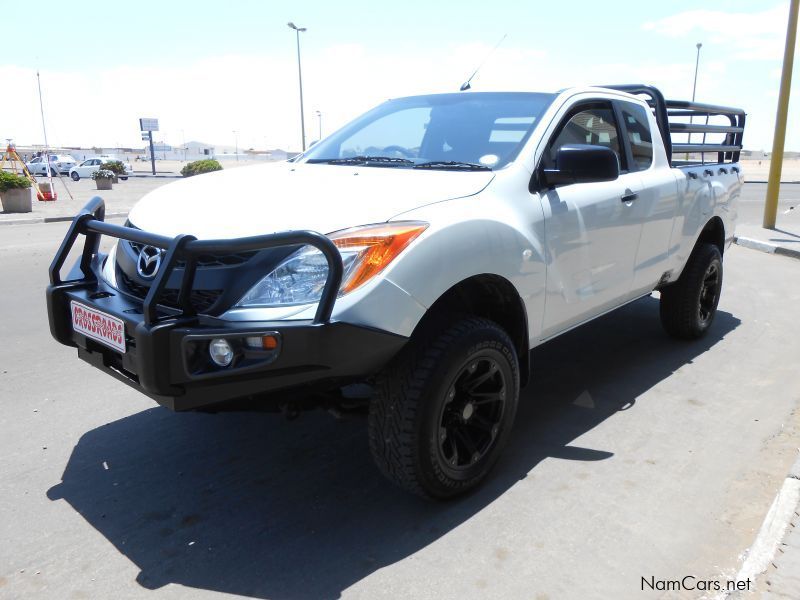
472	413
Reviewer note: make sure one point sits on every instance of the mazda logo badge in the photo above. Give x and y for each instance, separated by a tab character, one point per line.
149	261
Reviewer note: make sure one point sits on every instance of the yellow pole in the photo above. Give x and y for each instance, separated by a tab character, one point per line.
776	160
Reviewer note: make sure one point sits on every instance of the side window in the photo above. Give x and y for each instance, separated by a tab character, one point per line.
637	128
593	124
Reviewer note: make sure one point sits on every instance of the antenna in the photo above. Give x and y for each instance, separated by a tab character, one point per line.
465	86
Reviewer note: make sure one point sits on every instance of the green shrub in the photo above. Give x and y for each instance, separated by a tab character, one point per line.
12	181
115	166
199	167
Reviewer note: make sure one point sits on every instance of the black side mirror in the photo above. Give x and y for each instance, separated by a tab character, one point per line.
582	163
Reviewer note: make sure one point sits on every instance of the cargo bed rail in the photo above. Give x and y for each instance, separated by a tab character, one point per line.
671	117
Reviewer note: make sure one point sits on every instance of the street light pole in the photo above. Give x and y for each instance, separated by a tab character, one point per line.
694	89
297	31
236	143
319	116
696	66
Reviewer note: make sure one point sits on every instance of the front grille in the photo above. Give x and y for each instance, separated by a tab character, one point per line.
202	300
206	260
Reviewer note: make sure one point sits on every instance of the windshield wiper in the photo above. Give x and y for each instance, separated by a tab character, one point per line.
363	160
452	164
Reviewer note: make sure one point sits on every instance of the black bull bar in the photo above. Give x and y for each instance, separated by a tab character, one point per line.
184	248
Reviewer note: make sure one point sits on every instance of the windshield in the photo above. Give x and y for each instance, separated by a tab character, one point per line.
473	131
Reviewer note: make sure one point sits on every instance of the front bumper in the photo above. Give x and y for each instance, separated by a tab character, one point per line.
166	350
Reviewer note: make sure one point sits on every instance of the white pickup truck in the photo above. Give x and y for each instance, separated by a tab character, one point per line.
419	253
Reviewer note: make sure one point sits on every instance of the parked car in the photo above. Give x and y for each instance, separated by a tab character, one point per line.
122	159
59	163
460	231
91	165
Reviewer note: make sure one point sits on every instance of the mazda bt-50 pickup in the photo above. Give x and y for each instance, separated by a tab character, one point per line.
409	263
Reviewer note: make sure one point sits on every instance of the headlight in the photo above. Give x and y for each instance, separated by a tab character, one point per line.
366	251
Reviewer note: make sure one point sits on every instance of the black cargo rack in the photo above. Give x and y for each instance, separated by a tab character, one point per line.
667	111
90	223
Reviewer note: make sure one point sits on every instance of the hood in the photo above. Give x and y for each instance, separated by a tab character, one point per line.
285	196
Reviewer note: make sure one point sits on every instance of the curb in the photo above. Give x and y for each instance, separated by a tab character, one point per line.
760	181
777	524
766	247
776	528
794	472
35	220
156	176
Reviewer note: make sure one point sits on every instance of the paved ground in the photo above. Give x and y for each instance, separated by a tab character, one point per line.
633	456
751	204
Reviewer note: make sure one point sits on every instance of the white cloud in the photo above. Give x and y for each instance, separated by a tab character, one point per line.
255	95
748	36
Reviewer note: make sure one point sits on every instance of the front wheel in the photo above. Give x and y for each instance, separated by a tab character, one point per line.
689	305
442	411
75	176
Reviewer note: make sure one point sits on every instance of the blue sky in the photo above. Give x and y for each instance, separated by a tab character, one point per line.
206	69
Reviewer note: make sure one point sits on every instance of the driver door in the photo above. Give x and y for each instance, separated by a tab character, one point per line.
591	231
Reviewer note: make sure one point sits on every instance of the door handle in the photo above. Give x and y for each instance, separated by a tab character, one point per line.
629	197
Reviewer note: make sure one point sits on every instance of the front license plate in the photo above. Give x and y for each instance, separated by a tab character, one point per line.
98	326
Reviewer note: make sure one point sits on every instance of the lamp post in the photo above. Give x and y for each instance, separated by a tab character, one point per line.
319	116
694	90
696	65
297	31
236	143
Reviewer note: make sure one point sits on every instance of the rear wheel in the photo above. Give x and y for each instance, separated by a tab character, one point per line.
689	305
443	410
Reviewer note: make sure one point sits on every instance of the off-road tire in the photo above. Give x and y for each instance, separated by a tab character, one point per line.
689	305
414	396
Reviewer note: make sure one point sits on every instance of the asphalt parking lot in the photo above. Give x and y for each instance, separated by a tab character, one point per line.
633	456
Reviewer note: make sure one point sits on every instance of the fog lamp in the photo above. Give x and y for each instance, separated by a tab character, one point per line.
221	352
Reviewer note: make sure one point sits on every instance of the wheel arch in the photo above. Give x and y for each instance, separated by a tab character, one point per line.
490	296
713	233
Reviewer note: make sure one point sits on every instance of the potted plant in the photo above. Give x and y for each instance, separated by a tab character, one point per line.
15	192
116	167
103	178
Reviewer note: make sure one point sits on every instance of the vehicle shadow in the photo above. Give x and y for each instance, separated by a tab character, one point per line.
249	504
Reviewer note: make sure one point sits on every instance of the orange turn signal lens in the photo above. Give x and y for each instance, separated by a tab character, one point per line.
376	245
263	342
